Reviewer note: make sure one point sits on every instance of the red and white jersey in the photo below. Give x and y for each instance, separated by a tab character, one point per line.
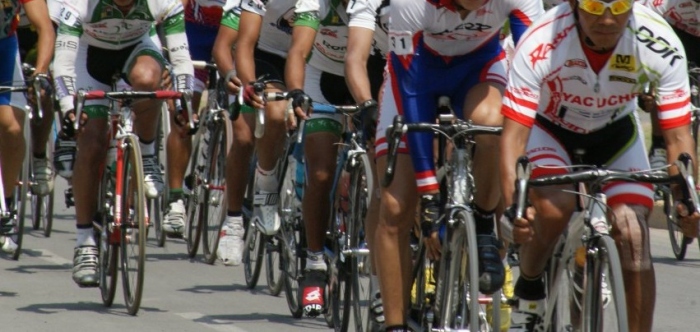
204	12
683	14
552	77
445	33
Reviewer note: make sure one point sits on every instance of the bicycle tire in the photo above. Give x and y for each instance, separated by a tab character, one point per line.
156	206
461	277
215	199
593	315
194	204
108	249
294	264
273	269
133	227
42	206
155	216
360	184
253	255
339	289
679	243
20	197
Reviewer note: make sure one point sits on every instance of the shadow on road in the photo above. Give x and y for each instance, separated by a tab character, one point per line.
92	307
31	269
254	317
672	261
211	289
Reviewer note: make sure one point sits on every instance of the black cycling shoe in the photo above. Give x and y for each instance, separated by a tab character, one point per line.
491	270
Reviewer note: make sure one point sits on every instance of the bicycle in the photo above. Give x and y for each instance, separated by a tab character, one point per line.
584	271
456	303
16	231
41	205
679	242
207	170
121	226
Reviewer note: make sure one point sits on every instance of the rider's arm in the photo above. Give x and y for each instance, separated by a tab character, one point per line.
38	15
172	17
248	35
361	27
306	22
66	52
226	38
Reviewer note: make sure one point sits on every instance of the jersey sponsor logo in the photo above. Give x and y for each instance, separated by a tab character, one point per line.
658	45
597	102
329	32
623	79
524	92
678	94
623	62
483	12
576	63
455	34
541	52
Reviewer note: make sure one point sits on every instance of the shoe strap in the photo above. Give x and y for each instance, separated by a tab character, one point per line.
266	199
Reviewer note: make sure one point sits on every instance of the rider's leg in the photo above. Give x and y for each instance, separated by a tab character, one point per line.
12	146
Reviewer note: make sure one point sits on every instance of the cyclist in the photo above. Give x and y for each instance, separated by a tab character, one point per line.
573	85
120	30
12	104
367	46
202	19
43	174
682	15
441	48
261	48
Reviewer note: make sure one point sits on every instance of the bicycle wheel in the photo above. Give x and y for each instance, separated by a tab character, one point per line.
360	269
604	280
679	243
339	286
155	220
215	206
273	270
42	206
193	181
293	264
20	203
253	253
133	224
459	274
107	242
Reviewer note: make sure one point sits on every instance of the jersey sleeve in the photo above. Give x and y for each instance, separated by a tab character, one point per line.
55	10
522	93
363	13
307	13
172	15
524	13
231	17
66	51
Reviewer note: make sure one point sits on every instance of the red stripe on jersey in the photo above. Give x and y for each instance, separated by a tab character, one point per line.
631	199
675	122
676	105
522	17
487	67
517	117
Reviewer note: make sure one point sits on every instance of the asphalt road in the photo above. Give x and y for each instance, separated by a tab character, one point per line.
38	294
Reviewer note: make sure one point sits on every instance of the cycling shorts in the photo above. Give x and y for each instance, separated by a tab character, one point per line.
11	72
326	88
201	42
619	146
412	88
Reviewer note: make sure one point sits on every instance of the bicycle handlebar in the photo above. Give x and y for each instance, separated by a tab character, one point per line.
452	130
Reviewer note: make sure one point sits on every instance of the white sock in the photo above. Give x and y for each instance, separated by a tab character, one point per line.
232	221
266	180
374	283
148	149
85	237
314	261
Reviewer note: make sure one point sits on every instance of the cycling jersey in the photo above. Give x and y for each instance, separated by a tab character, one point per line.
100	24
682	14
577	98
202	19
9	19
370	14
55	7
434	52
204	12
279	16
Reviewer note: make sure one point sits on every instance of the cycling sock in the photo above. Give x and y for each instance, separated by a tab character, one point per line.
528	288
314	260
266	180
484	220
396	328
40	155
175	194
147	148
231	221
657	142
84	236
230	213
374	283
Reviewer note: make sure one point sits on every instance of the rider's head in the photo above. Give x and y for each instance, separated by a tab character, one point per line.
469	4
602	22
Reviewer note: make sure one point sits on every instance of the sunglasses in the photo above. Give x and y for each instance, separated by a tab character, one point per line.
598	7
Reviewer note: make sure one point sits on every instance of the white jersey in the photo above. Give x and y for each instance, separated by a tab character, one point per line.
278	19
373	15
683	14
445	33
551	76
55	10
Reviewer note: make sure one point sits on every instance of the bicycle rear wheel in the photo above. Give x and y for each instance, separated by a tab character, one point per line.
253	254
604	281
293	265
42	206
273	269
133	224
215	189
107	242
194	200
20	203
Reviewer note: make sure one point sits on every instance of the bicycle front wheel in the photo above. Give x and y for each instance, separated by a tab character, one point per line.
20	197
679	243
215	187
604	304
273	270
194	199
107	242
133	223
